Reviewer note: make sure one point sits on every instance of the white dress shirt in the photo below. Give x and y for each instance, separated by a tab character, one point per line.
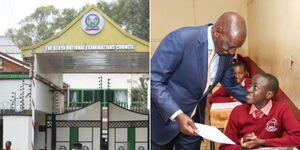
213	66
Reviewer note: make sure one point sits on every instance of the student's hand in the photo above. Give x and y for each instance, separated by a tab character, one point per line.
248	137
251	141
186	125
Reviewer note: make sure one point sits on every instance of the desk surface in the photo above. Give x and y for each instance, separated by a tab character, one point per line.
220	112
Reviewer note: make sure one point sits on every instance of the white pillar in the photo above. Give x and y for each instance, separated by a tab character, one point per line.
17	129
129	91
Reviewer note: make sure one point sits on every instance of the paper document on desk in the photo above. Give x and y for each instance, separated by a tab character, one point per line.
213	134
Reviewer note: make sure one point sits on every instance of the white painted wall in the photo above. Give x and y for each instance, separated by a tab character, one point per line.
9	86
44	98
47	71
17	129
86	81
39	136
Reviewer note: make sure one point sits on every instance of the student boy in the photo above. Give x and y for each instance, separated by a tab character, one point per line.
262	121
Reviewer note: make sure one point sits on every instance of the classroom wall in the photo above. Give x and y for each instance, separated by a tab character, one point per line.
273	41
169	15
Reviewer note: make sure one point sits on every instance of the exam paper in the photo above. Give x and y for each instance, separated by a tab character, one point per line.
213	134
229	105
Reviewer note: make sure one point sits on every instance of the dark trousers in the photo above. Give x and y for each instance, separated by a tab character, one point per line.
182	141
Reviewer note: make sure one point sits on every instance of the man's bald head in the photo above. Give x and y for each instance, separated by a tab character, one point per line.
231	29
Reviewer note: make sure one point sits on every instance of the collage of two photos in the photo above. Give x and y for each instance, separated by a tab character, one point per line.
74	74
149	75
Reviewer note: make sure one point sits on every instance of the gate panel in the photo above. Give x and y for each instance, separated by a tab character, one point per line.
128	130
83	125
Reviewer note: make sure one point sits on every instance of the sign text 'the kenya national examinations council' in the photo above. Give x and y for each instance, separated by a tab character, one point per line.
89	47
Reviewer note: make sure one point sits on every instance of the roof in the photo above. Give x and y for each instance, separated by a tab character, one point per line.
14	60
72	34
8	46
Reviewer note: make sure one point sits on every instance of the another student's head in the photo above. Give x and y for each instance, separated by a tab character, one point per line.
263	88
77	146
7	144
240	70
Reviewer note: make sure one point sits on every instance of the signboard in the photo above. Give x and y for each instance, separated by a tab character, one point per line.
92	23
104	47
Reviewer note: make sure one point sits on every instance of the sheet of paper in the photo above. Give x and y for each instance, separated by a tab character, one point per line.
225	105
213	134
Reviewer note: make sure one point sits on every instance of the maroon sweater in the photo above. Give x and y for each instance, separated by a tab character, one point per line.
270	128
221	96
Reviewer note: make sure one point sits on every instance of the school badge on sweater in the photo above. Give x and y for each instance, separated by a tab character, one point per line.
272	125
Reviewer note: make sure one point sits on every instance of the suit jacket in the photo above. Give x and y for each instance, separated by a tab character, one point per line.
178	80
221	96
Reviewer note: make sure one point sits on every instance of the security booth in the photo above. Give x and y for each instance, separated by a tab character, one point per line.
102	64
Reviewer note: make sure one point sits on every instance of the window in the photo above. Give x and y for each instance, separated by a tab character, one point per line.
74	96
120	96
98	95
83	97
88	96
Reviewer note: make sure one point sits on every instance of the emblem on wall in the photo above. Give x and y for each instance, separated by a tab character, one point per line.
272	125
92	22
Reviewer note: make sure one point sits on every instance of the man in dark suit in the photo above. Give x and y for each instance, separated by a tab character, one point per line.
184	69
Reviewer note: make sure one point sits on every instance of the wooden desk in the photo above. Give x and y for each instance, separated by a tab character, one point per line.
219	115
220	112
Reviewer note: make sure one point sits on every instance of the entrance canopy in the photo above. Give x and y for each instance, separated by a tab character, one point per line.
94	63
91	43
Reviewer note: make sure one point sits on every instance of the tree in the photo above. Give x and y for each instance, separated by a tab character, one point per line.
131	15
40	25
139	94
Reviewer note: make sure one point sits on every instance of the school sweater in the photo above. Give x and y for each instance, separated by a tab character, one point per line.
270	128
221	96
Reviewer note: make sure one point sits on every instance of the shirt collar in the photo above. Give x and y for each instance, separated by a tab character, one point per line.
243	82
210	41
266	109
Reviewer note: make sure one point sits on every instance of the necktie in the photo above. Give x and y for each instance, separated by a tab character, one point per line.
209	60
258	114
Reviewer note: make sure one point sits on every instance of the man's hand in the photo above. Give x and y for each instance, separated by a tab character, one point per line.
233	99
186	125
251	141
